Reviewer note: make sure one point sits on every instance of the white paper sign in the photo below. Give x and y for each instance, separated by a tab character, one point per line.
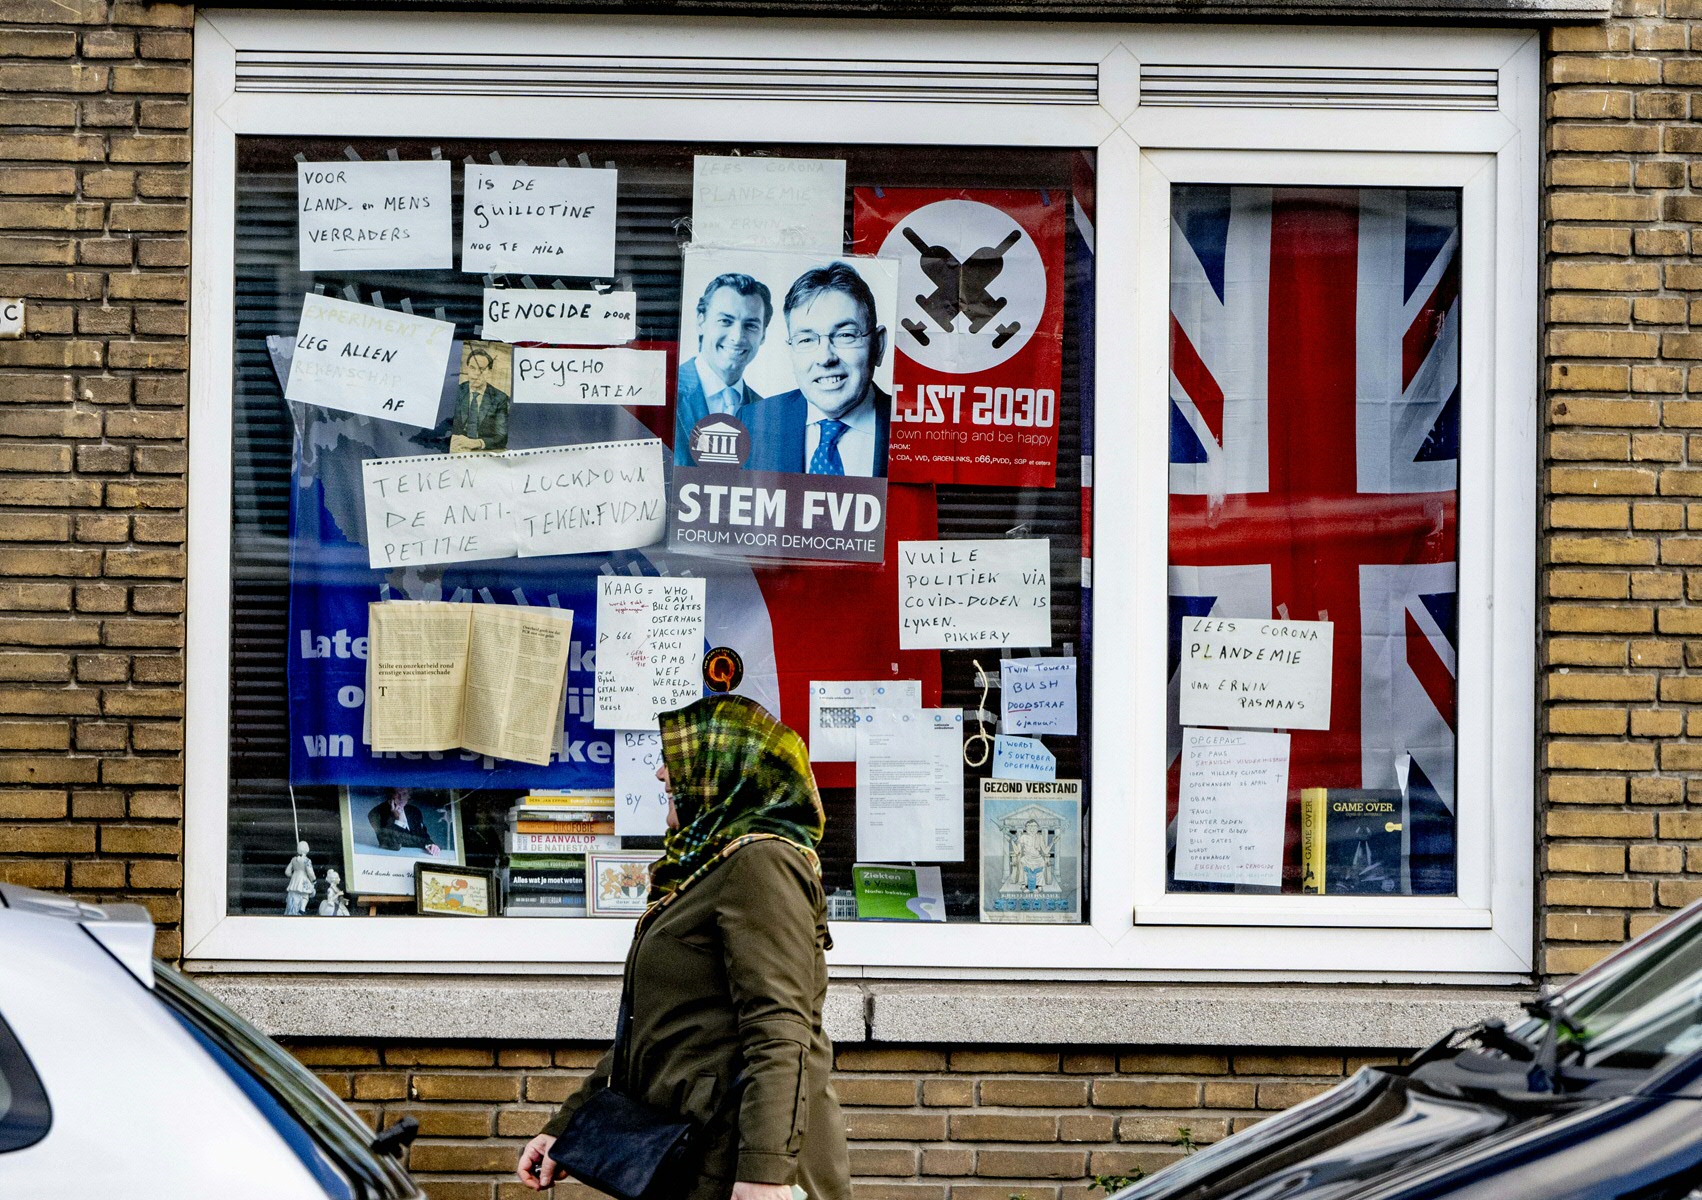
836	705
437	508
649	648
768	203
641	803
360	359
910	785
1255	673
1038	695
547	220
954	595
590	498
547	376
1232	804
560	317
374	216
1022	758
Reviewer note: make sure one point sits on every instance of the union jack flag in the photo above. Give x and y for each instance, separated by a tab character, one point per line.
1314	462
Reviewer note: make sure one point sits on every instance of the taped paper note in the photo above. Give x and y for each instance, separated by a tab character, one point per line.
360	359
1022	758
910	785
560	318
1232	804
1258	673
1038	695
954	595
544	220
641	802
837	705
632	377
649	648
438	508
373	216
588	499
768	203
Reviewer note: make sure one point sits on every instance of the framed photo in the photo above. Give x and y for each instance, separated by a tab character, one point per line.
618	885
387	830
1031	851
453	891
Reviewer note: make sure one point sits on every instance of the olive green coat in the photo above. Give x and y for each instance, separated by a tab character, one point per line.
732	974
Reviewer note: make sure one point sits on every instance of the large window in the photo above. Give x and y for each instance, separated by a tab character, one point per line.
1142	596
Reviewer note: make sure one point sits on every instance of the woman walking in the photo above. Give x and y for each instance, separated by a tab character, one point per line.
727	974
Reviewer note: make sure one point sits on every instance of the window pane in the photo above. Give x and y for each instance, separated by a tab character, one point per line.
1314	472
300	583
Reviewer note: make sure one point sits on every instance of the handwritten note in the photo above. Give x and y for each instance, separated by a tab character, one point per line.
373	216
837	705
953	595
548	220
910	785
360	359
1249	672
1038	695
632	377
1232	803
560	317
649	647
437	508
589	498
641	803
1022	758
768	203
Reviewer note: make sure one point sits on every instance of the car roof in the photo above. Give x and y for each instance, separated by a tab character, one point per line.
126	931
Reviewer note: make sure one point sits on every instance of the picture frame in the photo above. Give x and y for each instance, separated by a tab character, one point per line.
450	891
618	884
380	850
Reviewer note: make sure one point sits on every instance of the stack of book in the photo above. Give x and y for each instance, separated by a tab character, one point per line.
549	835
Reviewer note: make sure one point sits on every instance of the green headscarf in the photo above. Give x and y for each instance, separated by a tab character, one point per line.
737	774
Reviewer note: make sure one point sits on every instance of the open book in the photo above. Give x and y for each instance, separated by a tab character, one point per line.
485	677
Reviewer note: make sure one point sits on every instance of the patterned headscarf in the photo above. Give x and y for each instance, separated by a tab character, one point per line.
737	774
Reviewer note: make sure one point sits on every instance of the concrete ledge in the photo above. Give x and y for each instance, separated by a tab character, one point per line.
448	1008
1347	1017
491	1008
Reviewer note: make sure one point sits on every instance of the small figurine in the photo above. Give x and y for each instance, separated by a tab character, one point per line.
303	883
335	904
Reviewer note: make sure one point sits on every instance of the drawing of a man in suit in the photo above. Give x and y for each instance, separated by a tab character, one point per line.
836	421
732	319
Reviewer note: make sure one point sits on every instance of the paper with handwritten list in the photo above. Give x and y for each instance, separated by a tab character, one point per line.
649	648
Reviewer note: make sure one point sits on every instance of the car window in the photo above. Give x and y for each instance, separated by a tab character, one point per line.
24	1112
1647	1010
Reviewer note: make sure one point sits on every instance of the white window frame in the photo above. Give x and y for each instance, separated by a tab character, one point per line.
1483	935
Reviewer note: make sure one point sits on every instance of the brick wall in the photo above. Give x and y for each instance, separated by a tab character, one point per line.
1622	452
94	219
926	1123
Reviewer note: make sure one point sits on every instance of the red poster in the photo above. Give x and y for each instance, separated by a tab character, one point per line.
980	330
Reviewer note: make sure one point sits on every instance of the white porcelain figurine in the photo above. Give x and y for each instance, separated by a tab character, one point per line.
335	904
302	885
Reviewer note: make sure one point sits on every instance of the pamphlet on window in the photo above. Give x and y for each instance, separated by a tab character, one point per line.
898	893
486	677
910	785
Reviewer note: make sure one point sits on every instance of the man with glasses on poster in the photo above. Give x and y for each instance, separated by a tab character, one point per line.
836	421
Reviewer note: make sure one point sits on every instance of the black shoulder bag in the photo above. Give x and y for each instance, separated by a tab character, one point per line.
626	1148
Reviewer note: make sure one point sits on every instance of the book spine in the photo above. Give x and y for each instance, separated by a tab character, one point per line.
1313	839
561	843
534	826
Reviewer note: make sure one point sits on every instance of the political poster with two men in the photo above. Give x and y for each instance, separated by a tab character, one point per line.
783	406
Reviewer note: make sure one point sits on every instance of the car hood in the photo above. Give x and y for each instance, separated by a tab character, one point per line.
1389	1135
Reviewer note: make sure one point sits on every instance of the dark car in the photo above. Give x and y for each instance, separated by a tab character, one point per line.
1596	1096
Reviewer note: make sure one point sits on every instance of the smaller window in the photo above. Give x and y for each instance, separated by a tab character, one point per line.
24	1111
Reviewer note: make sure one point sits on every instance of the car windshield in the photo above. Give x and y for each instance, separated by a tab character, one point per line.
335	1130
1644	1006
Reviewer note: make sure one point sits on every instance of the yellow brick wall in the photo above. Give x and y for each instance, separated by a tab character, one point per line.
1622	496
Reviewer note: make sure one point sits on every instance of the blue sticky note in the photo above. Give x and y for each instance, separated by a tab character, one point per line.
1038	695
1022	758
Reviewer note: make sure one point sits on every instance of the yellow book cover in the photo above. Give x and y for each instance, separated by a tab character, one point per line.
1313	839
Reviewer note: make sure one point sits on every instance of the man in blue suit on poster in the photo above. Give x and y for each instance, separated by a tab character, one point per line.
837	420
732	319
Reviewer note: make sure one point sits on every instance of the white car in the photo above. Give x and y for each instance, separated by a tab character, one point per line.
119	1078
